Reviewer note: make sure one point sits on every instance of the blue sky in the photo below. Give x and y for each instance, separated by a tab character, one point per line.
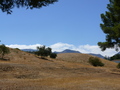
64	23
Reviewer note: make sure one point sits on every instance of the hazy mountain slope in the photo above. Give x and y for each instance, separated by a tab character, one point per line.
73	51
68	51
29	50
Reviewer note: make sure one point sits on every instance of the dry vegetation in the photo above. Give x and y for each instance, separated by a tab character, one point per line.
70	71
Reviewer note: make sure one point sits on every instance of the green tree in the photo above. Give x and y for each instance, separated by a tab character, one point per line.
4	50
53	55
116	56
7	5
111	26
43	51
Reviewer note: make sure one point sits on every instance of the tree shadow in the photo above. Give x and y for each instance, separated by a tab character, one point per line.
4	59
44	58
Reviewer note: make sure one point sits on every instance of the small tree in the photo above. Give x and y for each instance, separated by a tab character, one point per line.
4	50
95	61
43	51
118	66
53	55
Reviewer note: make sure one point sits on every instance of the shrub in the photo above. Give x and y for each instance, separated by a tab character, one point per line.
17	48
4	50
53	55
43	51
95	61
118	66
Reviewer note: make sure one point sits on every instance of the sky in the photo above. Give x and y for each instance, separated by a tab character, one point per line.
66	24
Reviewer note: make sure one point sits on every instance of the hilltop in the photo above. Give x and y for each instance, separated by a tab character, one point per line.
69	71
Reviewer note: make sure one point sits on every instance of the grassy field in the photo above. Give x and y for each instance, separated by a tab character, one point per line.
69	71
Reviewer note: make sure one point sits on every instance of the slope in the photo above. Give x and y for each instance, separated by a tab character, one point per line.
83	59
25	71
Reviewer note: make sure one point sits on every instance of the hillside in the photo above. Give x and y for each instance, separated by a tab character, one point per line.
70	71
83	59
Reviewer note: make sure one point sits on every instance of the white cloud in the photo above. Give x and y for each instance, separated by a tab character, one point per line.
24	46
62	46
95	49
83	49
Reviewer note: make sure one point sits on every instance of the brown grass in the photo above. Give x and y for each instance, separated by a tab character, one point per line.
83	59
70	71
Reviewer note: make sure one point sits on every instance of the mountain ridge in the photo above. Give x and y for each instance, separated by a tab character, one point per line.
65	51
73	51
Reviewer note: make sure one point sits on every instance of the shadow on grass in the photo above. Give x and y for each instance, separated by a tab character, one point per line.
44	58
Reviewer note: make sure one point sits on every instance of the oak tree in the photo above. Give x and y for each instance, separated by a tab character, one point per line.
43	51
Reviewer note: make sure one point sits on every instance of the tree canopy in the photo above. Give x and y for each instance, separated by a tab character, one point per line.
115	57
44	52
4	50
8	5
111	26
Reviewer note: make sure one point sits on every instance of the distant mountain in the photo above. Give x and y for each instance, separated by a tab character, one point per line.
73	51
67	51
97	55
28	50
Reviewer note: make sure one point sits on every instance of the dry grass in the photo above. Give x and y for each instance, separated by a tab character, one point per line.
70	71
83	59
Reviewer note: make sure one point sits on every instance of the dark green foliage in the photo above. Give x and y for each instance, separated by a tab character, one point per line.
118	66
111	26
53	55
117	56
4	50
95	61
7	5
17	48
43	51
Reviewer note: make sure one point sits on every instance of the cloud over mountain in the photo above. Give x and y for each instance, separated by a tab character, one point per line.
24	46
62	46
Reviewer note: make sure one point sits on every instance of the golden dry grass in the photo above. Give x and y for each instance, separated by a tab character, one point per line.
70	71
83	59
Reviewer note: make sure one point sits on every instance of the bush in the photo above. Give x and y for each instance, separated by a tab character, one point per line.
53	55
43	51
4	50
95	61
17	48
118	66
